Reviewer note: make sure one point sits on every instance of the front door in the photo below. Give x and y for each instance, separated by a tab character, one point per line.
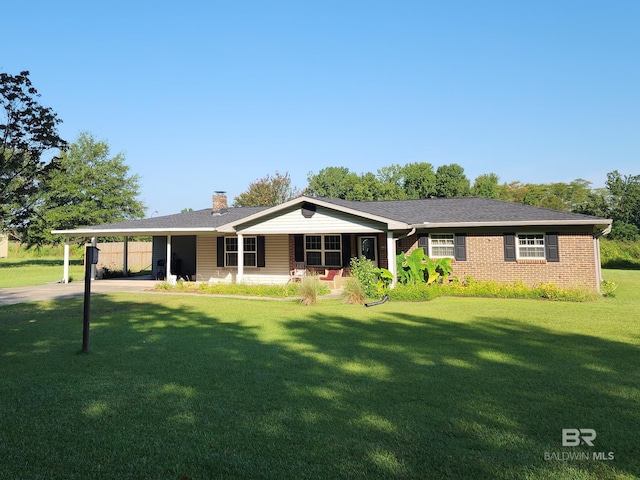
368	248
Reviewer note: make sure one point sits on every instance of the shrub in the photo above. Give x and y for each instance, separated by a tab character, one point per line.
619	254
365	271
414	292
626	232
278	291
472	288
607	288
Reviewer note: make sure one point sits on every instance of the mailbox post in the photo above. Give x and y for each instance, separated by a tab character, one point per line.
90	258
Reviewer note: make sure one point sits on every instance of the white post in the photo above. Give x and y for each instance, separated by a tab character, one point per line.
240	258
93	267
168	262
65	268
125	259
391	258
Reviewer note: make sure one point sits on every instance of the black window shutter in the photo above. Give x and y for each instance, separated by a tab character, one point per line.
509	247
298	248
460	247
220	252
551	247
261	254
423	242
346	249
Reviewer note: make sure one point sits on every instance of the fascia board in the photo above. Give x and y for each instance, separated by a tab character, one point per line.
520	223
89	232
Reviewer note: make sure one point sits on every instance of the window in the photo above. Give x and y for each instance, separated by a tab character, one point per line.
323	250
441	245
231	251
531	245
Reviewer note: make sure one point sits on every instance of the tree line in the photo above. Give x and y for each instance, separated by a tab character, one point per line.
619	200
47	183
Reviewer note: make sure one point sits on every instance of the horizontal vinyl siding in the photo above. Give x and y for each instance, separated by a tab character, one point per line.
275	271
322	221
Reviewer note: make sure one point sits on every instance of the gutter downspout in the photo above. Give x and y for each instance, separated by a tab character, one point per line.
596	255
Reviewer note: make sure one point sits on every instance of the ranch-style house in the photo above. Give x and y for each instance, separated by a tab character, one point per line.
486	239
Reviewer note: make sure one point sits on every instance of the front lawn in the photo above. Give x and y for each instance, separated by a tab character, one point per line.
22	272
198	387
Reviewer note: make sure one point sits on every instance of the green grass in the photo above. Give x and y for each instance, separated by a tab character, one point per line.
22	272
199	387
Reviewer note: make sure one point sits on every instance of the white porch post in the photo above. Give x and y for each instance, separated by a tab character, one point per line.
391	258
125	258
93	267
65	268
240	258
168	261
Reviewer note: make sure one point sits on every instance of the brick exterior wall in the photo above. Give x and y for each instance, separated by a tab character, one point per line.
485	261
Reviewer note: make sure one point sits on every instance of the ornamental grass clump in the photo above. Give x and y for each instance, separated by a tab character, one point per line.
353	292
309	290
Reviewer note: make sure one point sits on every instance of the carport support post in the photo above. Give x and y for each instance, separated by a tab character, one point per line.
87	298
125	258
168	262
65	268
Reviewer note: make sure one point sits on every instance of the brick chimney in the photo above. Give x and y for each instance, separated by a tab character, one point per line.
219	202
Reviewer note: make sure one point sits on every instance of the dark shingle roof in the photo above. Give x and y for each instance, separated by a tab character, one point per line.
196	219
464	210
461	210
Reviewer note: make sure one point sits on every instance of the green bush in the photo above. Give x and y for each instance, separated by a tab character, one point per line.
365	271
619	254
492	289
626	232
275	291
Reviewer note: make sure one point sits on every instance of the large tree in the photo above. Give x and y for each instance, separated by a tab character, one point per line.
29	142
419	180
267	192
91	187
486	186
451	181
331	182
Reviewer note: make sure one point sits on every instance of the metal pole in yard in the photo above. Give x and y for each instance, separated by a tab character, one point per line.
87	298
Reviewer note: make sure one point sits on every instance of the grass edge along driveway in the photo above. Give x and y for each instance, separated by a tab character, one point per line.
197	387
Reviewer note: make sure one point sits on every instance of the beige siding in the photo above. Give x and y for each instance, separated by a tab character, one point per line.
276	270
322	221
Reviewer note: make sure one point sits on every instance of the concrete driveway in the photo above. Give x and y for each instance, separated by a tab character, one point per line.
54	291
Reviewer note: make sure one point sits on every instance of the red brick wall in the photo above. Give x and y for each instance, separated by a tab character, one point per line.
485	261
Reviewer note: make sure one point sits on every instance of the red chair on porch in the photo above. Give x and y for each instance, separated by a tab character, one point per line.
330	275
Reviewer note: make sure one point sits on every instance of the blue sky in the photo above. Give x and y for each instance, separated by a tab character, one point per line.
212	95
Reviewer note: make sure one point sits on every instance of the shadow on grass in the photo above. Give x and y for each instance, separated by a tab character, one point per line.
174	390
622	265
